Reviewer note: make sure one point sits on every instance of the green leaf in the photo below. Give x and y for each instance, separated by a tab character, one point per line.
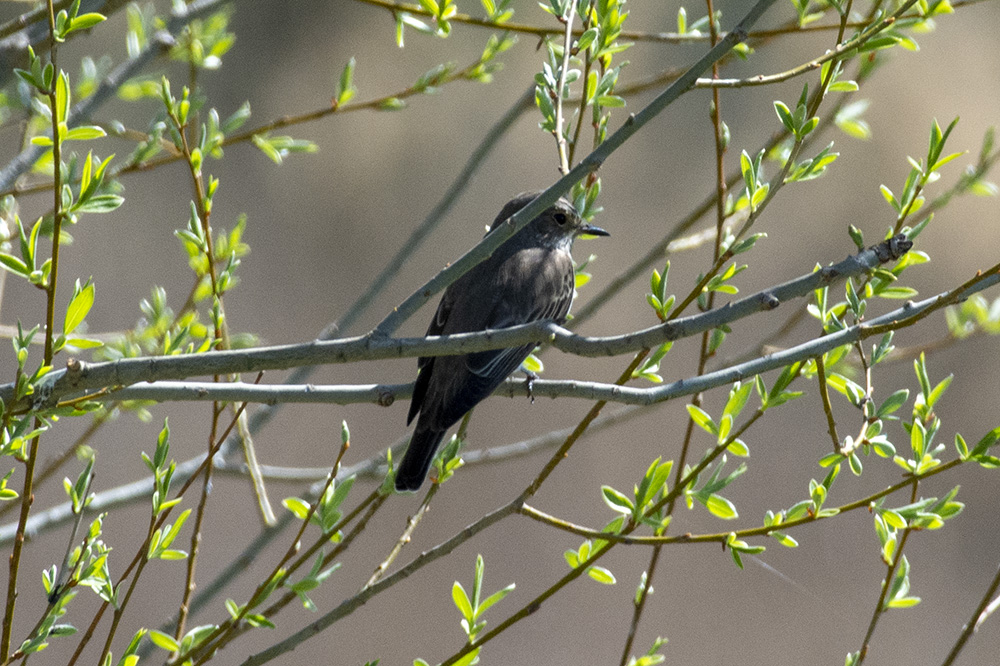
616	500
85	132
28	78
62	98
586	39
987	441
461	600
14	265
702	419
164	641
746	167
84	21
855	463
784	115
494	598
79	307
785	540
939	390
346	89
392	104
747	243
102	203
898	292
739	448
892	403
738	396
961	447
721	507
265	147
533	364
830	459
844	86
903	602
601	575
725	427
878	43
759	196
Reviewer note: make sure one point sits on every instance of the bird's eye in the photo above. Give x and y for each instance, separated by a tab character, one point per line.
560	218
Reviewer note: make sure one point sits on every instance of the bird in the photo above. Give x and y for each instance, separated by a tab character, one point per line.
528	278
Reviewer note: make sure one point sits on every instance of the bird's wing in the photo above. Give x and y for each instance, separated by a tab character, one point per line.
486	370
497	364
539	287
425	364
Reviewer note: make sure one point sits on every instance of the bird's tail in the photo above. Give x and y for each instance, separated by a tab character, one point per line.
417	460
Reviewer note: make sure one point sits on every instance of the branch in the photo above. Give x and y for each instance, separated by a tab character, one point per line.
983	610
585	390
80	375
792	28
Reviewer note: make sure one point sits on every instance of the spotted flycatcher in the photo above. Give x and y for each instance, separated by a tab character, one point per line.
528	278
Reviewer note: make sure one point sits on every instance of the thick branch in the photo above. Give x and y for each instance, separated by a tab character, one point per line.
385	394
79	376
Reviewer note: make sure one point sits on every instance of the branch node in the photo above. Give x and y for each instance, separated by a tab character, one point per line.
385	397
768	301
164	39
892	249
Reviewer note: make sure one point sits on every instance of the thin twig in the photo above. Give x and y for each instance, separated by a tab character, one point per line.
561	92
721	537
411	525
824	394
978	616
27	492
791	28
880	606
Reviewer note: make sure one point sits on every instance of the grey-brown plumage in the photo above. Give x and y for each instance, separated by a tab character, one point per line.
529	278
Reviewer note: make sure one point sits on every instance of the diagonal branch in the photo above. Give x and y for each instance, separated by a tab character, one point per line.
587	165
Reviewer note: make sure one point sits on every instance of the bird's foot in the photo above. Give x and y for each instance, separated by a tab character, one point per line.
530	384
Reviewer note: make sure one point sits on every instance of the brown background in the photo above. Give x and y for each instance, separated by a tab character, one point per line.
321	226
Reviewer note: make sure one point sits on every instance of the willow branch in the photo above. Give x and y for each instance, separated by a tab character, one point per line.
79	375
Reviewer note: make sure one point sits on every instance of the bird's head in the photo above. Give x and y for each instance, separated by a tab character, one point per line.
556	227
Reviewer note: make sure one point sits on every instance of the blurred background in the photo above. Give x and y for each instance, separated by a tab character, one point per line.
322	226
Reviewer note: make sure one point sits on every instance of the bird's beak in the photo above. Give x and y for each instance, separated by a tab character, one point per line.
591	230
